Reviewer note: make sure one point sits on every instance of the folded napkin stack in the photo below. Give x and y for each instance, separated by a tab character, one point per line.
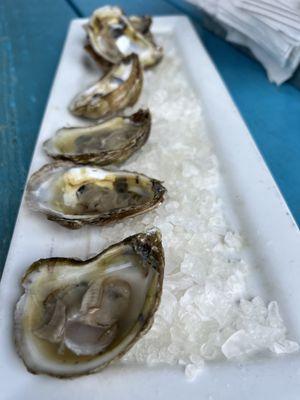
269	28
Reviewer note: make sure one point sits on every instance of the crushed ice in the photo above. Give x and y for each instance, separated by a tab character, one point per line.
204	314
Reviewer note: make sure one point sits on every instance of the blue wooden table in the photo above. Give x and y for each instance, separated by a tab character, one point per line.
32	33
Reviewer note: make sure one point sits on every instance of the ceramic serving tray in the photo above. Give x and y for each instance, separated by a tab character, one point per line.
253	205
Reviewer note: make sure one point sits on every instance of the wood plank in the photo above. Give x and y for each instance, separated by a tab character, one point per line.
31	37
152	7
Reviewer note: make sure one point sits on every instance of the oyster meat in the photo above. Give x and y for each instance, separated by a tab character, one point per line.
74	195
120	87
76	317
112	36
142	24
111	141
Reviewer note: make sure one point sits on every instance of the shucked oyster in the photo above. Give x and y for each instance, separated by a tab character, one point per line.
76	317
74	195
112	36
141	24
108	142
119	88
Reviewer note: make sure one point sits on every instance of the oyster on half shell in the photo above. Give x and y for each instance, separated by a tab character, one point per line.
120	87
112	36
76	317
141	24
110	141
75	195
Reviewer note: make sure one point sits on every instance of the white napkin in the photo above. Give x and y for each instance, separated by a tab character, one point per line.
294	4
276	16
269	28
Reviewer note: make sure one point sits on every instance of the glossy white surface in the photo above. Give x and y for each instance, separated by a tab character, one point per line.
254	205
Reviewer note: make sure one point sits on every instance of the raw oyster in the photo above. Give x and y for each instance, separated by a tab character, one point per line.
141	24
76	317
74	195
119	88
112	36
111	141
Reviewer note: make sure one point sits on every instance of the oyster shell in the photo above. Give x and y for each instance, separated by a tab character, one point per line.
111	141
76	317
141	24
74	195
119	88
112	36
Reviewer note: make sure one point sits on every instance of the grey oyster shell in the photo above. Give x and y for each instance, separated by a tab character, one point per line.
76	317
110	141
120	87
112	36
74	195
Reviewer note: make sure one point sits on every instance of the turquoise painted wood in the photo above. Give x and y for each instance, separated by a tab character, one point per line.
150	7
32	33
31	38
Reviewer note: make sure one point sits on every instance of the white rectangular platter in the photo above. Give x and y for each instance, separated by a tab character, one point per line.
254	206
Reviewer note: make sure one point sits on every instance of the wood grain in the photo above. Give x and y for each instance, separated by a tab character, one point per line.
150	7
31	37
